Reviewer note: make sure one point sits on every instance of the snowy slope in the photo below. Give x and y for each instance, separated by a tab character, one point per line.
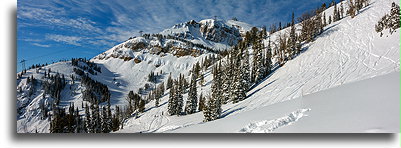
349	50
349	108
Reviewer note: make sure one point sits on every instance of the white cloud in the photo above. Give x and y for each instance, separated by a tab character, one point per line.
50	17
41	45
72	40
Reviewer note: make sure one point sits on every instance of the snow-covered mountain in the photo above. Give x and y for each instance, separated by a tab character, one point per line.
348	50
189	38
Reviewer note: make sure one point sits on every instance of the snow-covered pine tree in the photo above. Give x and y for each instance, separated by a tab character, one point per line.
341	9
318	24
213	109
103	121
192	100
179	100
282	47
394	22
109	121
268	59
141	108
172	101
329	19
239	90
259	60
216	89
207	110
245	68
227	77
88	120
292	41
169	83
197	69
201	79
201	105
335	13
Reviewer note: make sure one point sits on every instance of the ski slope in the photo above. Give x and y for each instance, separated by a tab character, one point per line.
356	107
347	51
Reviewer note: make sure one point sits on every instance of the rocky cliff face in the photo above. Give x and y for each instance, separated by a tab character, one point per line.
189	38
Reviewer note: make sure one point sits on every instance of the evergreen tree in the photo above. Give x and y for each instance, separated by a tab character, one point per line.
169	82
104	120
141	107
246	68
172	101
292	41
192	101
201	103
88	120
180	100
341	9
239	89
259	60
213	109
268	58
335	12
201	79
318	24
227	77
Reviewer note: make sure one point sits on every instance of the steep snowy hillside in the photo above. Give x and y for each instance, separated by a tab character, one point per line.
348	50
349	108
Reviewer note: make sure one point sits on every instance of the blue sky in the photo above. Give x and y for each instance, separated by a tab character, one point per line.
50	30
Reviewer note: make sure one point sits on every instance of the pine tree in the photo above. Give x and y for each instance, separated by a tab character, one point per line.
239	90
227	77
201	79
268	59
213	109
260	69
201	103
172	101
318	24
104	120
335	13
179	100
141	107
169	82
192	101
292	37
341	9
245	68
88	120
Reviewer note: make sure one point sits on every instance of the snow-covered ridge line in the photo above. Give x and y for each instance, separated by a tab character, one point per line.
189	38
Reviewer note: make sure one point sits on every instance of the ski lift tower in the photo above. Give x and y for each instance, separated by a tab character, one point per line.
23	64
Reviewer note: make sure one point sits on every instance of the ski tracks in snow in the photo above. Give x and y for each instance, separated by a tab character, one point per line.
267	126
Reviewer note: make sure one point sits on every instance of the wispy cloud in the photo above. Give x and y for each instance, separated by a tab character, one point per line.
57	19
105	23
72	40
41	45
